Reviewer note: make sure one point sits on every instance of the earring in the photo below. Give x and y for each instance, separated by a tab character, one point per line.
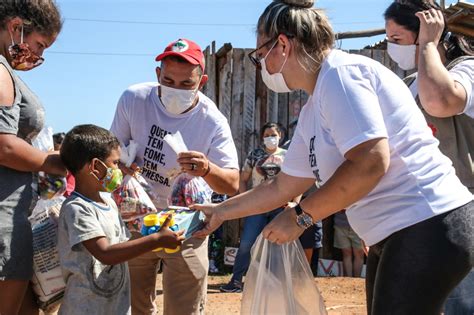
284	54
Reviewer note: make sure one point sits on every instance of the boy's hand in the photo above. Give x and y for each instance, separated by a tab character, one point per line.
169	239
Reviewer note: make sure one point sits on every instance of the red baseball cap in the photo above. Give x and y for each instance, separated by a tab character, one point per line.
186	49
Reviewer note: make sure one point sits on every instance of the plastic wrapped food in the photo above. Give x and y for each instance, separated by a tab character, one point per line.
132	200
48	282
188	190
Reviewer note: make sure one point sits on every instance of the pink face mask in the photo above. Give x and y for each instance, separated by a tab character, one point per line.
22	57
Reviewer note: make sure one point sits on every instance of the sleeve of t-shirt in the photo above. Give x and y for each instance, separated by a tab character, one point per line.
464	74
350	108
121	123
82	223
222	151
296	159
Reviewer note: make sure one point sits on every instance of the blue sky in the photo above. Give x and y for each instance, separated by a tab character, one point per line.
93	62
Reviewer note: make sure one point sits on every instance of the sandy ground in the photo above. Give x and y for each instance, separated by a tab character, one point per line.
341	296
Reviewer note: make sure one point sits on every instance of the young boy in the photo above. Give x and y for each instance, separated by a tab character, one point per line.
93	241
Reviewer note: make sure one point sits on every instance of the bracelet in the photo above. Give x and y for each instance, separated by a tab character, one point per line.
208	170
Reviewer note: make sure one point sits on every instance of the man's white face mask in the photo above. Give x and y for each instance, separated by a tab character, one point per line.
177	101
403	55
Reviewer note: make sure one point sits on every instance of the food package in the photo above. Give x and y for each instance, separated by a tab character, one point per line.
132	200
48	282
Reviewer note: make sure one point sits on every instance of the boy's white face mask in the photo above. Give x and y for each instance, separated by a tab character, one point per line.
403	55
177	101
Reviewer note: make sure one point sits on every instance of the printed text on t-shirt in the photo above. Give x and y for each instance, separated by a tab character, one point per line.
153	157
312	159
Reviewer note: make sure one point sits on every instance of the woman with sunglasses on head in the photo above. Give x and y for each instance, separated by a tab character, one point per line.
418	38
360	135
27	28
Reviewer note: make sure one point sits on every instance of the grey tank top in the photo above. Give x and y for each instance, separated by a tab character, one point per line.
25	119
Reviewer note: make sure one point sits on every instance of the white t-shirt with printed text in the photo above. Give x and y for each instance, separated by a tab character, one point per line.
141	116
357	99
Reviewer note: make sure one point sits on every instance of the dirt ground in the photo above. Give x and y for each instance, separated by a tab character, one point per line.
341	296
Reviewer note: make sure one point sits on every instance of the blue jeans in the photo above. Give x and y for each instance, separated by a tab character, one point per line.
461	299
253	226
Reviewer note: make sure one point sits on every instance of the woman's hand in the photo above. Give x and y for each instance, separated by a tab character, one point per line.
283	228
431	26
213	219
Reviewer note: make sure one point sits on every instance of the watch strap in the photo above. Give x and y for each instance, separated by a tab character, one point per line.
298	209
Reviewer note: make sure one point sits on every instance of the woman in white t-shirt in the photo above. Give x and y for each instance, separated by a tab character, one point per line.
363	138
443	87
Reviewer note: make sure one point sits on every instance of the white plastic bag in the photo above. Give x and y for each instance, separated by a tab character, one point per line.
176	142
279	281
128	153
48	282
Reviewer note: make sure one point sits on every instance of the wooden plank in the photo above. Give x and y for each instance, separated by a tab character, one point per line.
358	34
272	106
211	73
231	233
294	107
261	105
206	53
236	119
251	135
283	109
379	55
224	69
363	52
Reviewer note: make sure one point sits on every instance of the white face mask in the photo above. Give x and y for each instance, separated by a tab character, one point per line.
403	55
271	142
177	101
275	82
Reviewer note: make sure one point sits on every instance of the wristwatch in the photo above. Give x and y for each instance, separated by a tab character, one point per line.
303	219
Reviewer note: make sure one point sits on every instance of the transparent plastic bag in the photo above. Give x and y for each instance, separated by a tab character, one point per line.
188	190
279	281
48	282
132	200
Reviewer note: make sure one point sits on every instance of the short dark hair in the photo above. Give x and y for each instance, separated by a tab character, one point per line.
269	125
58	138
180	60
84	143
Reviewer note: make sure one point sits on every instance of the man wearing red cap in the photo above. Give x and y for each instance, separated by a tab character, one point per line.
146	113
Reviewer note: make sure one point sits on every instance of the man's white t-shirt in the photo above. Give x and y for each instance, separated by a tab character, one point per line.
357	99
141	116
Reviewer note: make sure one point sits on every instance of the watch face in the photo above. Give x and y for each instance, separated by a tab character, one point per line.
304	220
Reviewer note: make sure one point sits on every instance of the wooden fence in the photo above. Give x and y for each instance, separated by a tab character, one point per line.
239	92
